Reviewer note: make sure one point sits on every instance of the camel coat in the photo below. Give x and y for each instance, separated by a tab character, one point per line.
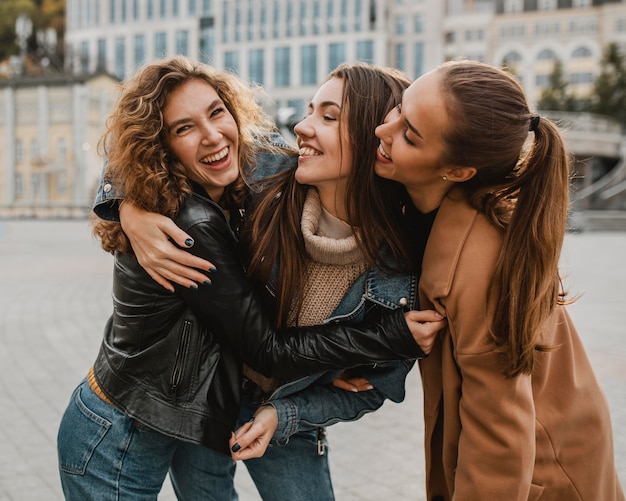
545	436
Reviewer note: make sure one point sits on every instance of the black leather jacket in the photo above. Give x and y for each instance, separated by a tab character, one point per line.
172	361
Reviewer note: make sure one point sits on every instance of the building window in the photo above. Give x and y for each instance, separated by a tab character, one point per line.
418	23
282	57
581	78
358	15
231	61
546	5
330	17
542	80
102	54
546	55
182	42
309	64
84	57
303	18
512	58
120	58
135	10
225	21
400	59
238	21
207	42
276	19
19	185
175	8
513	6
316	17
336	55
160	44
207	7
34	150
581	52
163	8
400	25
365	51
256	66
289	21
418	59
251	24
263	20
112	12
343	25
140	50
150	9
192	7
19	150
124	7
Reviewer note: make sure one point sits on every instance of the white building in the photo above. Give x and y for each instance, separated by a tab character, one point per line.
288	46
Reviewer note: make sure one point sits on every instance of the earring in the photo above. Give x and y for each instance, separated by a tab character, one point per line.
445	178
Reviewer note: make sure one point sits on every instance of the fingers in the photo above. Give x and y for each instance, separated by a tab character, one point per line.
354	384
149	235
424	326
251	439
423	315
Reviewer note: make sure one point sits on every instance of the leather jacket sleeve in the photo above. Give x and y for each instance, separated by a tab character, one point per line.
232	307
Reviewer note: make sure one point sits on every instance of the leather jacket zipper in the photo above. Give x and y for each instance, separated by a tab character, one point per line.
179	362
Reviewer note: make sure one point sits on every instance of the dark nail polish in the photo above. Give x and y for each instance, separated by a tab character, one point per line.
212	269
235	447
189	242
207	282
193	286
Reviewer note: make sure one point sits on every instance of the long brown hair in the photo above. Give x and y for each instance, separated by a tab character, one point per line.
522	188
369	93
139	161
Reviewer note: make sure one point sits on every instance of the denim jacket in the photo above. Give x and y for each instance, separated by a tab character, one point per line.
312	401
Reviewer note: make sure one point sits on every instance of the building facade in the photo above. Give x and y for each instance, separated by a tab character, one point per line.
49	133
288	46
49	129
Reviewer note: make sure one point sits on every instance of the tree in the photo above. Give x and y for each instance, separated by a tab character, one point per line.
609	96
10	10
555	96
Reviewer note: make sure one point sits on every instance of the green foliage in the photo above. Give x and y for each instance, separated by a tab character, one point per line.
555	97
609	96
42	13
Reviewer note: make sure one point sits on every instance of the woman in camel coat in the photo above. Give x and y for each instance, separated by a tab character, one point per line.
513	410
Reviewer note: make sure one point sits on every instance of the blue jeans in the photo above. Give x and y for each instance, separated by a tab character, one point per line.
104	455
290	472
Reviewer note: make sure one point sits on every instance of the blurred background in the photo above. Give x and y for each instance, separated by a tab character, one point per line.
60	62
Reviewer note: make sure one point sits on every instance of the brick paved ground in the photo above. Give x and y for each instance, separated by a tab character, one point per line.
55	297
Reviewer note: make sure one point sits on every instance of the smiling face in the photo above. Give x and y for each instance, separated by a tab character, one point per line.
203	136
412	146
325	154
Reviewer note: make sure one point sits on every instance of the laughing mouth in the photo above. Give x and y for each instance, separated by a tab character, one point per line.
307	151
216	156
382	152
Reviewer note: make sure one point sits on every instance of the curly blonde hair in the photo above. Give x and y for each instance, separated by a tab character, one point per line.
139	161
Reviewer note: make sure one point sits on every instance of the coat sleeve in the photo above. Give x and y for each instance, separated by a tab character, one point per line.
233	308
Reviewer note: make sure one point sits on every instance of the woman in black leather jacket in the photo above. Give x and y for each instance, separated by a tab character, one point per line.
163	393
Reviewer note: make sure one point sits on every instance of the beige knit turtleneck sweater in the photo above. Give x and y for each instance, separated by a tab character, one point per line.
335	261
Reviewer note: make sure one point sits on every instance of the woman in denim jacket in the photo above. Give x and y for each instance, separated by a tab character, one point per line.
296	465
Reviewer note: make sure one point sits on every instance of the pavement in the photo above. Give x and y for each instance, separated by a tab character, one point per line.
55	297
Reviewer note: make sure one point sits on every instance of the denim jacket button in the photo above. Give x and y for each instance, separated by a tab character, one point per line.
107	187
403	301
